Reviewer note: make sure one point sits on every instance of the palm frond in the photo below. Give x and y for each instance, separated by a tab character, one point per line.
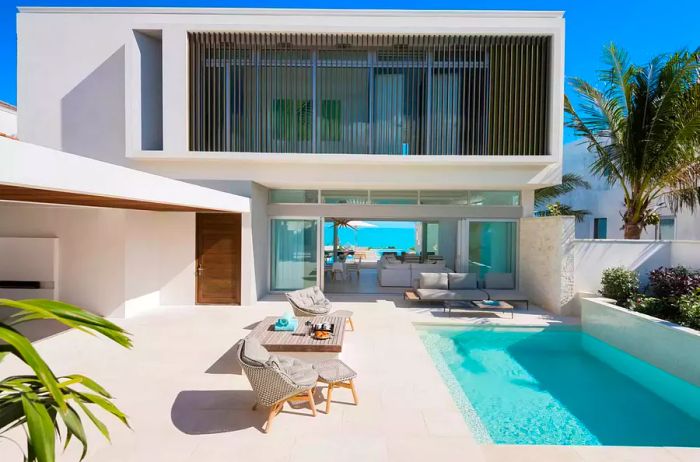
558	209
569	182
643	127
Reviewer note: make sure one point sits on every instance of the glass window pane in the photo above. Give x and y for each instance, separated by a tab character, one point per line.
394	197
286	95
667	229
492	247
509	198
342	89
345	197
446	120
294	254
293	196
399	109
431	231
444	197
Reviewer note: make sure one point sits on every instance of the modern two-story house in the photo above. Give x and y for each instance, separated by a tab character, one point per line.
446	118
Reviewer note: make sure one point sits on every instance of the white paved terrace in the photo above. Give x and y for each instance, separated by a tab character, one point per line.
187	400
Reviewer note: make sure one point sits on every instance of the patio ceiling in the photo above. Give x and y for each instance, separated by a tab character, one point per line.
44	196
32	173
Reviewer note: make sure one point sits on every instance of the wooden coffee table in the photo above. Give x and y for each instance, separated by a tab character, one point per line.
477	305
299	340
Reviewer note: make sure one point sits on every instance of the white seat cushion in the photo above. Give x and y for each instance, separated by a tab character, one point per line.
461	281
433	281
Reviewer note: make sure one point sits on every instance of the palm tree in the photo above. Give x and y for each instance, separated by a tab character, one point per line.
545	197
339	223
643	126
36	402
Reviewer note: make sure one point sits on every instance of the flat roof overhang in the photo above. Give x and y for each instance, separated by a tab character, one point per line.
32	173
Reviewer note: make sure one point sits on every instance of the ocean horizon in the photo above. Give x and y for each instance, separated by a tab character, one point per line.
381	237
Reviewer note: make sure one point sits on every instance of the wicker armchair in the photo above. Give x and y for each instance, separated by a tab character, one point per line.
312	302
276	380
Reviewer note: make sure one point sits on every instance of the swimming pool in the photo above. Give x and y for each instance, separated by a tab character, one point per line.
560	386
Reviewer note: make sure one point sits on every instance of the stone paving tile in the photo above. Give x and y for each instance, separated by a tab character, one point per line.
188	401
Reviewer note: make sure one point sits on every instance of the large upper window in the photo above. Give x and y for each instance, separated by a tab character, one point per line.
368	94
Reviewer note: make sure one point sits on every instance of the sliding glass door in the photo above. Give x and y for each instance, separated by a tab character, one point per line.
487	246
491	247
294	254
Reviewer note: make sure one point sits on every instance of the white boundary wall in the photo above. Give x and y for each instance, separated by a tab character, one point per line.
592	257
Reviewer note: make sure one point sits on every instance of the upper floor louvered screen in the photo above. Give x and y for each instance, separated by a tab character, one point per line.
369	94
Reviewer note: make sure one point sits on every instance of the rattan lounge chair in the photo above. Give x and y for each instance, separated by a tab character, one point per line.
312	302
276	379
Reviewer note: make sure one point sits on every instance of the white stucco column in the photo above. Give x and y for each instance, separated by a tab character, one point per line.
175	106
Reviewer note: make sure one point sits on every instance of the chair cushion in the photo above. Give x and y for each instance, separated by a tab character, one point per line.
253	353
334	370
499	281
288	364
438	267
439	295
308	298
302	374
433	281
461	281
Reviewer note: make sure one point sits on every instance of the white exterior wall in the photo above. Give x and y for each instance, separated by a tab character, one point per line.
113	262
604	201
592	257
91	104
8	121
29	259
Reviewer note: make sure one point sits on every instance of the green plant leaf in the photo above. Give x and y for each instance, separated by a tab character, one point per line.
97	422
10	413
26	352
42	440
106	405
89	383
74	426
69	315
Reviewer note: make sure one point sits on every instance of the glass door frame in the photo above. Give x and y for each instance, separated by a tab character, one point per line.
463	236
319	243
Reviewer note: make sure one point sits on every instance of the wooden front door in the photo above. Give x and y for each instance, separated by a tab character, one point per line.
218	258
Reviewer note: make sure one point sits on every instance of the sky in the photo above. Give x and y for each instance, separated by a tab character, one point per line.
644	28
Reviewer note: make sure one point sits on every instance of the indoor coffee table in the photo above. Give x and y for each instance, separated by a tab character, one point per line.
299	342
477	305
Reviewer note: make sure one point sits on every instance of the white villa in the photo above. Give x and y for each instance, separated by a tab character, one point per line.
448	119
180	170
606	204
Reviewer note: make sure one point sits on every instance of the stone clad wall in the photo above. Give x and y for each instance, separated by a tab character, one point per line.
546	262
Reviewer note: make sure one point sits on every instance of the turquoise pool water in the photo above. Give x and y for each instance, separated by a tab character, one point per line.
561	386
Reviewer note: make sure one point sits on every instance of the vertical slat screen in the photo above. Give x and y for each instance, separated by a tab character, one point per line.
369	94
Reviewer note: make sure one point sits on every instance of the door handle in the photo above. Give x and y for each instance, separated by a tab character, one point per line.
200	270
